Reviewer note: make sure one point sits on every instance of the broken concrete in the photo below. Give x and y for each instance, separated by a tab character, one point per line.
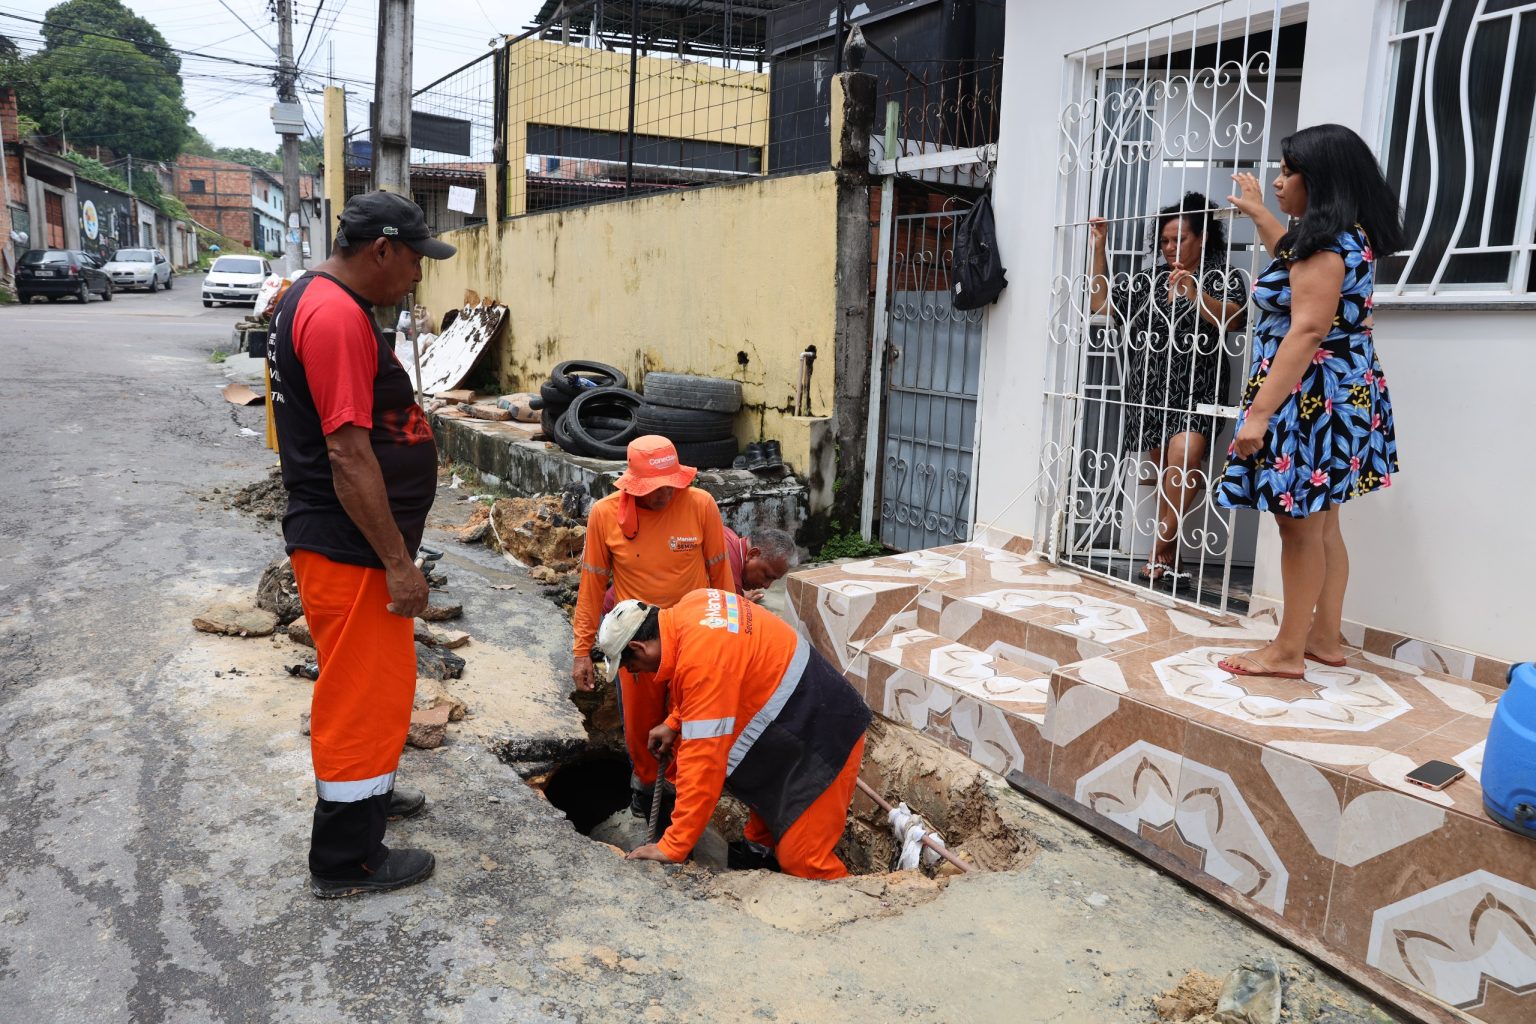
278	591
443	612
298	632
236	620
431	693
429	727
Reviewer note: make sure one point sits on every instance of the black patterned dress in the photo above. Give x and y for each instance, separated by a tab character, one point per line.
1332	438
1171	357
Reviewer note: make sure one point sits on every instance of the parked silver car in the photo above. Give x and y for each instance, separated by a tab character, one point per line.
235	279
139	268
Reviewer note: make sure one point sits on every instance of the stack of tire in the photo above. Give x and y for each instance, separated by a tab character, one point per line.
588	409
695	413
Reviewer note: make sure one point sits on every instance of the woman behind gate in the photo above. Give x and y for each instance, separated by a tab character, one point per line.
1316	426
1171	320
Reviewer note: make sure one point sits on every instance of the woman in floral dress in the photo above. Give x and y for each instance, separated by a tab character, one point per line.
1316	425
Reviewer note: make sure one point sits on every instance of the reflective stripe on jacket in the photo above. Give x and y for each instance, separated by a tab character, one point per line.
756	708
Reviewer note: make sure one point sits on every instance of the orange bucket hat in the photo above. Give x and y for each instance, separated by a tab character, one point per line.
653	463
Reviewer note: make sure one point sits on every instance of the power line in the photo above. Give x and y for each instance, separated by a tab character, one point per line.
152	46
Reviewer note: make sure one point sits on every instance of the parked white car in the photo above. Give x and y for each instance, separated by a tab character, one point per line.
139	268
235	279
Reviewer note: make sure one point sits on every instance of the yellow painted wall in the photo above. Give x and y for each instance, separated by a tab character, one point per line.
574	86
681	282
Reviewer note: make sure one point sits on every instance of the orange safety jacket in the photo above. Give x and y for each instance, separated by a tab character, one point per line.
756	708
675	550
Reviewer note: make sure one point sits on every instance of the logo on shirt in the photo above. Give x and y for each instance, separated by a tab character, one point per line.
683	543
722	611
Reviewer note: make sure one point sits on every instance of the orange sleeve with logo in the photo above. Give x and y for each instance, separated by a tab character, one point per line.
712	528
596	574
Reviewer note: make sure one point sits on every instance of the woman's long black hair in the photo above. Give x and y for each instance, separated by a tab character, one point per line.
1345	187
1196	211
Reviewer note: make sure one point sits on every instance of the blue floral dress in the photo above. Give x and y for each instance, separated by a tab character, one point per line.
1332	438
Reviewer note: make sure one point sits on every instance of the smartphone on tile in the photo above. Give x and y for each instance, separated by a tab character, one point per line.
1435	775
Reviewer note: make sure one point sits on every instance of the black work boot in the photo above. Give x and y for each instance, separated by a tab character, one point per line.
745	855
640	796
405	802
755	457
400	869
773	456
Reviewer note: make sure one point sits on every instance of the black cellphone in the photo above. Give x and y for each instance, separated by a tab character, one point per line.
1435	774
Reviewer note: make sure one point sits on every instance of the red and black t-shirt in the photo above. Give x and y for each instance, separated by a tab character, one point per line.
331	368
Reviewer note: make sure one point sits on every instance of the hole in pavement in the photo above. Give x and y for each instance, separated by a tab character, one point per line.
589	788
980	817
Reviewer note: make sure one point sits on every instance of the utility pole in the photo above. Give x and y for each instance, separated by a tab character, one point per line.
287	76
392	97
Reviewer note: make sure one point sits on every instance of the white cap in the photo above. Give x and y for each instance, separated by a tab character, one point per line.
617	629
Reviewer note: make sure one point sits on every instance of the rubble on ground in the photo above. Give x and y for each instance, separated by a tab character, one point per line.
447	639
278	591
442	612
236	620
298	632
437	663
546	533
429	728
431	693
265	499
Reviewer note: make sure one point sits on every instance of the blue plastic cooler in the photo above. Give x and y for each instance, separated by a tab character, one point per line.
1509	759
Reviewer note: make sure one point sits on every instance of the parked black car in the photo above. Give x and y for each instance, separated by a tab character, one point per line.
57	273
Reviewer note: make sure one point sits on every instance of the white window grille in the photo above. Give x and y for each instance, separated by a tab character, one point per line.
1460	147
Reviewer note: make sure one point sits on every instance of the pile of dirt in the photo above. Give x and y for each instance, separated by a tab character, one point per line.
538	532
1192	1000
264	499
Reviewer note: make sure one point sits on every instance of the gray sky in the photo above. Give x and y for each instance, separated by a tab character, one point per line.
230	104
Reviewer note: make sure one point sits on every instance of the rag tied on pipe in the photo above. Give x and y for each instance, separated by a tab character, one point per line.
909	831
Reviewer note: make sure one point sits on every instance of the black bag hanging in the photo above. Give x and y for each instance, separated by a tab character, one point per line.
978	277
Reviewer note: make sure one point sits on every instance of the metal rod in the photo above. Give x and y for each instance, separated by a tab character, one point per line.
634	62
927	841
653	824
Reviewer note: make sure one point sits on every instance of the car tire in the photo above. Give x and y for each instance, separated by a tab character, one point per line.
593	403
685	426
207	304
84	294
106	296
24	298
169	281
708	454
686	391
154	285
565	375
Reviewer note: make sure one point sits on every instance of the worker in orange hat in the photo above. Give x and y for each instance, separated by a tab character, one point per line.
655	539
755	708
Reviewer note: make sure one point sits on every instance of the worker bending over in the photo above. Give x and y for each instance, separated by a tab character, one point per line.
655	539
755	708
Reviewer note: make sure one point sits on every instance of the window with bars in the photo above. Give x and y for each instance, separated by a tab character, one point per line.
1460	148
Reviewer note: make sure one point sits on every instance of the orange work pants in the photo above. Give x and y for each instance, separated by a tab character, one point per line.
643	703
361	709
805	851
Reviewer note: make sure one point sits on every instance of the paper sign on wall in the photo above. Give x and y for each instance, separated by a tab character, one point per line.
461	200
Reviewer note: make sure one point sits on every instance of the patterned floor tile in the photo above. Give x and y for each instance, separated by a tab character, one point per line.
966	724
1460	743
1438	900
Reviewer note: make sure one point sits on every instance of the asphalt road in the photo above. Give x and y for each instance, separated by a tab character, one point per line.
155	790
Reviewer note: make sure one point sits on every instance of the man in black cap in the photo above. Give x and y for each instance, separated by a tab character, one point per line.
360	467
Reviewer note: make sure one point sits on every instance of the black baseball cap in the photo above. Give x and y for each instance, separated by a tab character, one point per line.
389	215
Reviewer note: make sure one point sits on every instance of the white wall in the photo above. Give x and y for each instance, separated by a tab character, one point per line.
1444	554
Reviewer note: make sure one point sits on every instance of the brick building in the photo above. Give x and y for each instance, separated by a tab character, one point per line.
241	202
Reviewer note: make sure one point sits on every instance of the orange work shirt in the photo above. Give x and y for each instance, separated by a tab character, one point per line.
724	658
678	549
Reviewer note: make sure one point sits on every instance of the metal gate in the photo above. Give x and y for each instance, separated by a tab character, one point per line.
1146	119
932	375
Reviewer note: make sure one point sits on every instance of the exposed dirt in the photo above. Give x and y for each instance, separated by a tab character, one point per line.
265	499
1308	997
1192	999
537	532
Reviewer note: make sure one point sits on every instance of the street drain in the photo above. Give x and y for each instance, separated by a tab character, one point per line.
588	788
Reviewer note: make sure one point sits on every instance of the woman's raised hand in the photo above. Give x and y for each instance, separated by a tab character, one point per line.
1250	195
1098	230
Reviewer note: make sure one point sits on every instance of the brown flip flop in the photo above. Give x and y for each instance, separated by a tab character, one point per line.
1226	665
1330	662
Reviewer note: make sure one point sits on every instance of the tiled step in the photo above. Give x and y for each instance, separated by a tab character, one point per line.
1287	795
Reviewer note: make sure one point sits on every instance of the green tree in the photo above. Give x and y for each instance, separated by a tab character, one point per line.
69	23
111	93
